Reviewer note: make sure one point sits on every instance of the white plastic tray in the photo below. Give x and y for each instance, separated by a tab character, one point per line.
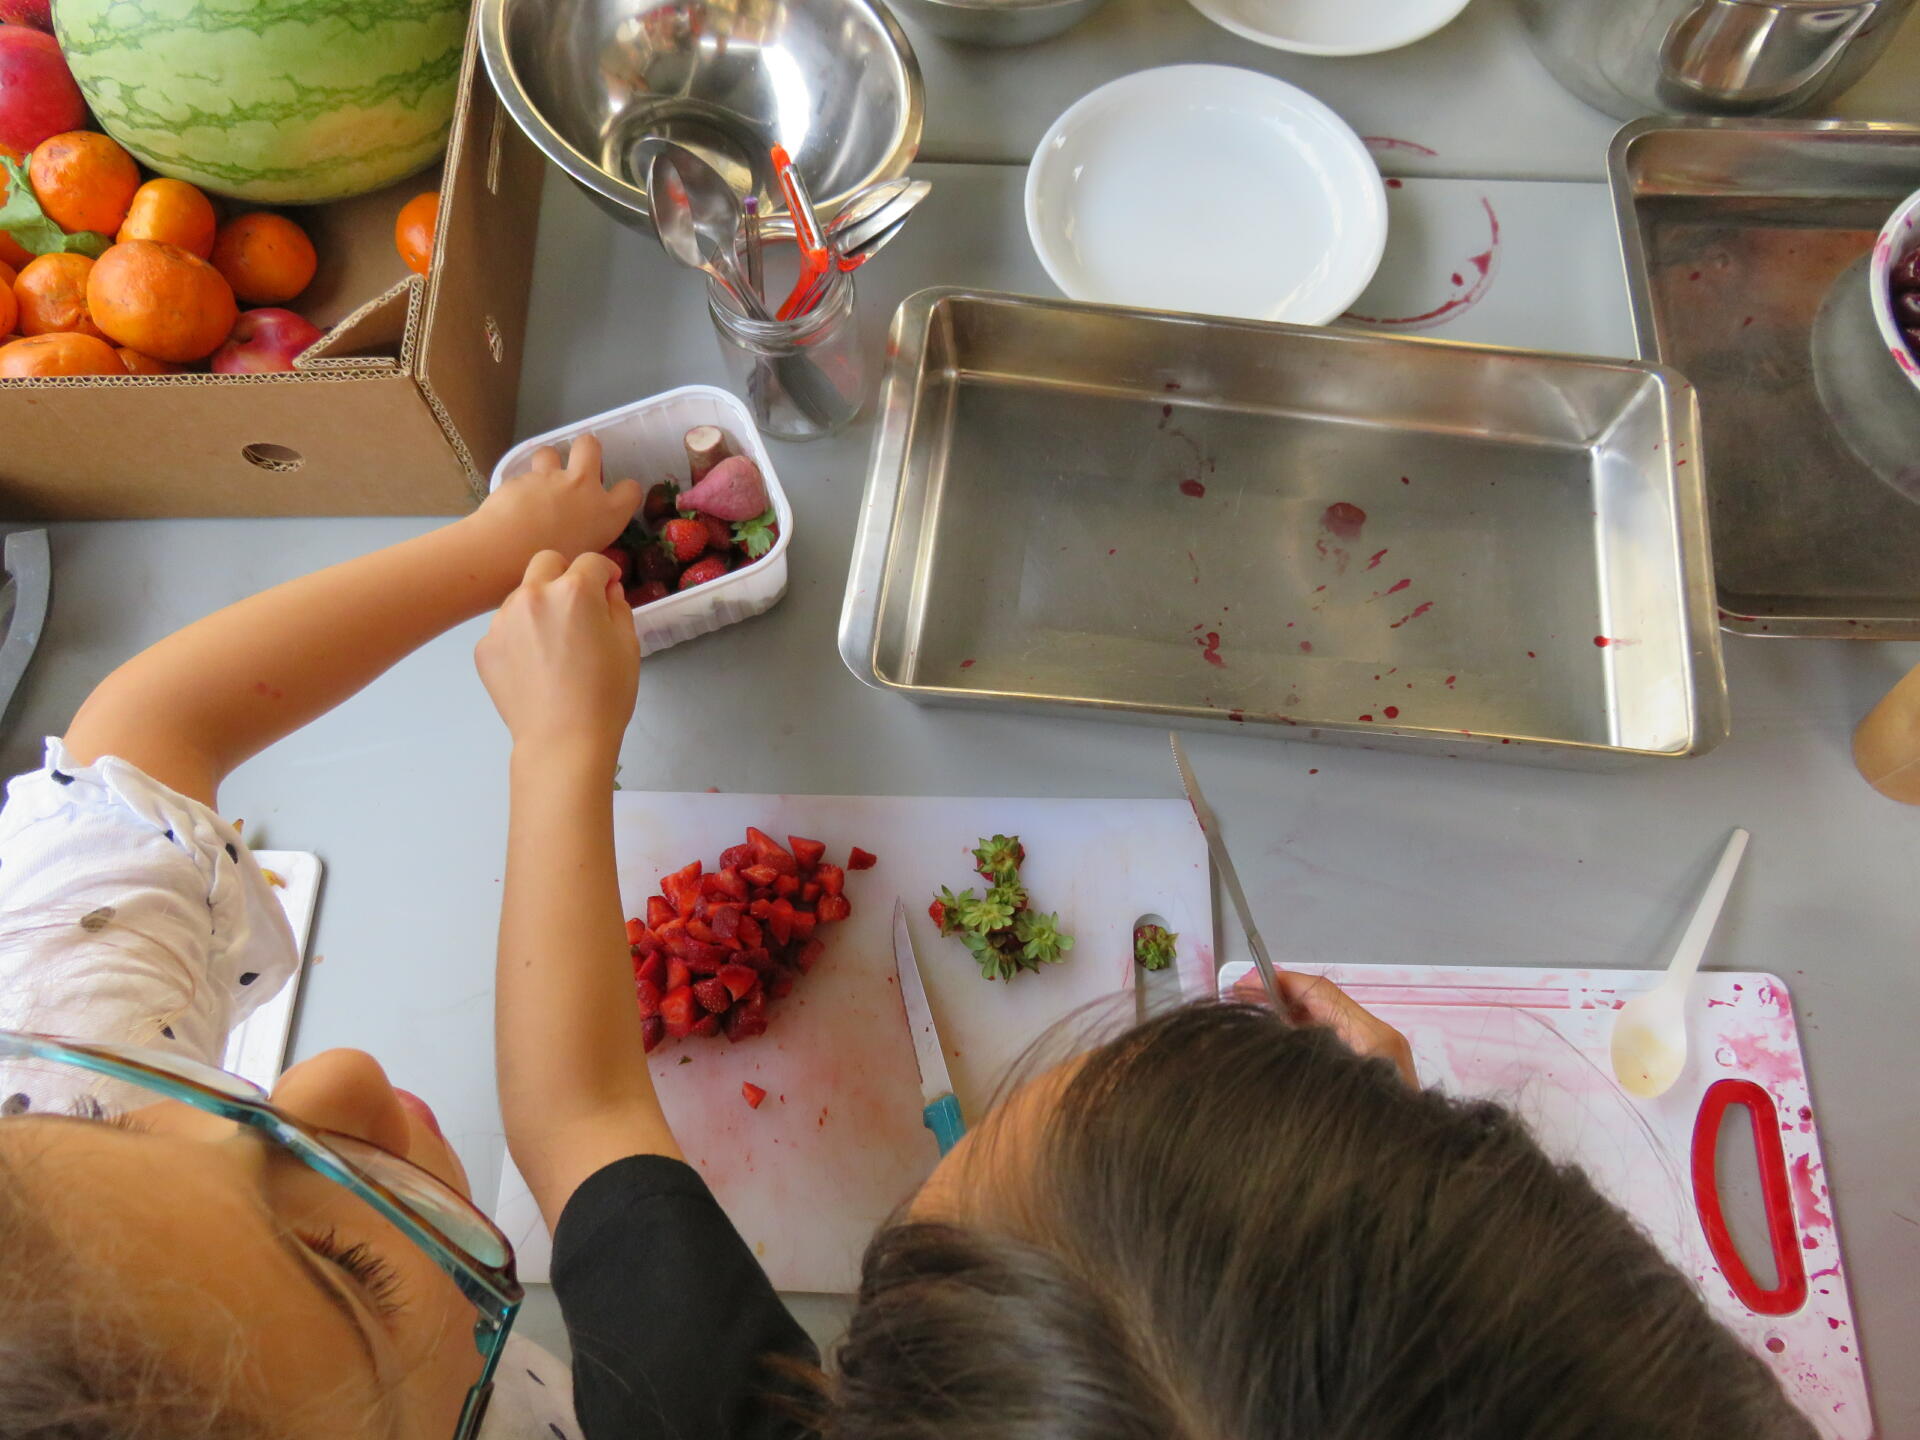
644	441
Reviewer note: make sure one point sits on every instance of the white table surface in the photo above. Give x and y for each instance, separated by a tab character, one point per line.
1375	858
1473	94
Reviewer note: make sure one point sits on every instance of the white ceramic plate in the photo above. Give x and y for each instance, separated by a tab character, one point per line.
1209	189
1332	27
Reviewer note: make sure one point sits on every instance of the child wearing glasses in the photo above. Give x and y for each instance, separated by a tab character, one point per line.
1233	1222
202	1266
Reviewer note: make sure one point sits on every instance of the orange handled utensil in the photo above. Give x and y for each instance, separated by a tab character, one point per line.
806	234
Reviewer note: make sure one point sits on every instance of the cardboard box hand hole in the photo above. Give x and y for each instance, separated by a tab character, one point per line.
277	458
427	369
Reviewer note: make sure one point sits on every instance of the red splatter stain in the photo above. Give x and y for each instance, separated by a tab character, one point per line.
1776	1344
1318	588
1678	463
1806	1196
1113	552
1306	647
1413	614
1602	641
1343	521
1166	412
1746	322
1367	718
1450	680
1484	265
1378	143
1392	712
1239	717
1456	278
1532	656
966	664
1173	384
1378	556
1395	588
1193	488
1833	1323
1210	649
1393	182
1406	479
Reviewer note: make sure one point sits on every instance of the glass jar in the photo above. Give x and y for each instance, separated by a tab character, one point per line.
803	378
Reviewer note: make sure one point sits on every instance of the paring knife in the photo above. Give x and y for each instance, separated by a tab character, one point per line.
942	1112
1210	827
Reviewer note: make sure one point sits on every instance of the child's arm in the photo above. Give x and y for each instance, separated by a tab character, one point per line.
562	663
190	709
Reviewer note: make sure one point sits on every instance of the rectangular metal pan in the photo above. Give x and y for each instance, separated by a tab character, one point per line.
1734	232
1305	533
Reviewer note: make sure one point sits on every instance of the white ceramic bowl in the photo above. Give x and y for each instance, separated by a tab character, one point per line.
643	441
1332	27
1207	189
1900	236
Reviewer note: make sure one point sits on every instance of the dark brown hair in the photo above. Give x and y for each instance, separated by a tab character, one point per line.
1227	1228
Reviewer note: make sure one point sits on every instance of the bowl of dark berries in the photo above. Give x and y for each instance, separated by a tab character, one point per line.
708	547
1866	353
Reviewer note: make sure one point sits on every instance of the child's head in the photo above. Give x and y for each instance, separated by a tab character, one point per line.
173	1275
1219	1225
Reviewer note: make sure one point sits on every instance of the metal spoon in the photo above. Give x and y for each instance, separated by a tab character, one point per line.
1650	1031
698	218
851	234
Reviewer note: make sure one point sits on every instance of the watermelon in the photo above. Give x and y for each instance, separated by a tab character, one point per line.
279	102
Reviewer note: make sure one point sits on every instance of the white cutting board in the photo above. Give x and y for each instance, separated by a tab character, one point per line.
1537	1041
838	1143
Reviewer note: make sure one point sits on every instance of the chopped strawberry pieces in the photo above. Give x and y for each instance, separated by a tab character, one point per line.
677	1009
719	945
646	994
752	1094
858	859
739	979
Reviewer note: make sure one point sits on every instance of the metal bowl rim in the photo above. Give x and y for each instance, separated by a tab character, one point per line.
557	148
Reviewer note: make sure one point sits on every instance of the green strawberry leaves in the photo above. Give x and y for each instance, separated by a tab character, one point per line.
31	227
1001	931
1153	947
756	536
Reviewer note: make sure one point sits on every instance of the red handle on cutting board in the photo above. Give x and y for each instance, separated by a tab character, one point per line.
1790	1289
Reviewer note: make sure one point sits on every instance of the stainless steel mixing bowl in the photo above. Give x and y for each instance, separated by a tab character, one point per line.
593	82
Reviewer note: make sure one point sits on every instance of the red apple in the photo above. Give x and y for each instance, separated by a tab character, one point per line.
264	342
37	13
37	95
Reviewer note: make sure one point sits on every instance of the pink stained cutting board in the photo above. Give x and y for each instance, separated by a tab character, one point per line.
838	1143
1538	1042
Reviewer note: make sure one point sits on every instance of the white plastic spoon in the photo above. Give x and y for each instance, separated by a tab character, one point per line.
1650	1031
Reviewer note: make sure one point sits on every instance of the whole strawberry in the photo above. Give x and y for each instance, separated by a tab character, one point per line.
652	562
701	571
684	539
659	505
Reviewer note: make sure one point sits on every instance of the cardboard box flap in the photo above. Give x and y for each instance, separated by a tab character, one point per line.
476	313
377	330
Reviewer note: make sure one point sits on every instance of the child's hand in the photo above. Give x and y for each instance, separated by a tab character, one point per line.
561	659
1313	1000
558	506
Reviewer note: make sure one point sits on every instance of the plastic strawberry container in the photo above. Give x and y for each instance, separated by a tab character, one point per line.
644	441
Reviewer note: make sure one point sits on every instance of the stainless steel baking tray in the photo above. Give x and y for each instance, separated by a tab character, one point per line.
1300	532
1734	231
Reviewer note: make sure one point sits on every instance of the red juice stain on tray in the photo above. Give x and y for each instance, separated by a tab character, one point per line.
1210	648
1414	614
1343	521
1392	712
1193	488
1367	718
1468	295
1602	641
1306	647
1378	556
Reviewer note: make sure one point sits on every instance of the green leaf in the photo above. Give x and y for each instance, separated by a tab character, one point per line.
756	536
998	858
1153	947
32	229
951	906
1040	938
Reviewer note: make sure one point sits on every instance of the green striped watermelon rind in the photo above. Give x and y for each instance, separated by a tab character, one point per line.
281	102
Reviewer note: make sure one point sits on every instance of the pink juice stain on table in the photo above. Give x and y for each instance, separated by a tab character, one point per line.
1465	294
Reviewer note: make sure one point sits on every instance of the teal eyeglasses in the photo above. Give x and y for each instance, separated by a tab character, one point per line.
461	1240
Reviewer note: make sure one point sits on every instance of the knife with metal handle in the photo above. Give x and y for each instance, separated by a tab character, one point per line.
1210	827
942	1112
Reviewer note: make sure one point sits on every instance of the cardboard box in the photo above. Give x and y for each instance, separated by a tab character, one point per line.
402	410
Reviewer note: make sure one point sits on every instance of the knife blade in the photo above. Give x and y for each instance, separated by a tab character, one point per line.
941	1113
1210	827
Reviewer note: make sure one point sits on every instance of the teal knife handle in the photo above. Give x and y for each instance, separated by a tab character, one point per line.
942	1117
